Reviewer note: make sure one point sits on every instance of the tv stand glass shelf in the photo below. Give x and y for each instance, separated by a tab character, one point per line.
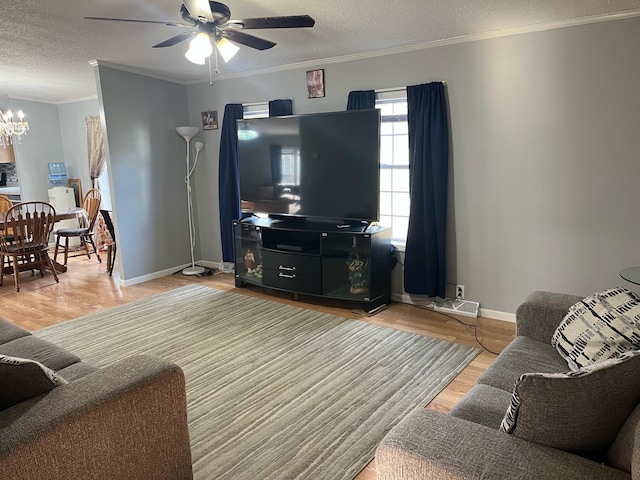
340	260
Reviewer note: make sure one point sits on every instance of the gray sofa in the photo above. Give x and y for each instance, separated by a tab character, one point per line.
124	421
568	426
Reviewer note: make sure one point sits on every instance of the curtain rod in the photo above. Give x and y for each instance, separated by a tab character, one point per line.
399	89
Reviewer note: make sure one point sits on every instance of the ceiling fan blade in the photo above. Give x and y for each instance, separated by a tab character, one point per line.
248	40
170	24
199	9
181	37
295	21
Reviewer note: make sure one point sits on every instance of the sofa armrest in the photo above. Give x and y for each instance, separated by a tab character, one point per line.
541	313
127	420
429	445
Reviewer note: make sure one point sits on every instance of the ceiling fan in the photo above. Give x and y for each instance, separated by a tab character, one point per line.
207	20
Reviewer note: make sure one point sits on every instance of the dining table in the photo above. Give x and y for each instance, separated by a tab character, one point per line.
71	214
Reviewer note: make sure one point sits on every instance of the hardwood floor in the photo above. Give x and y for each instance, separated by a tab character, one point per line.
87	288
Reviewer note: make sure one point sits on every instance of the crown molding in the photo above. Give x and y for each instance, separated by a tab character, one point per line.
506	32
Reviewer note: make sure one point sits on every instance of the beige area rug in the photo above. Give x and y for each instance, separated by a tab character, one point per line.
274	391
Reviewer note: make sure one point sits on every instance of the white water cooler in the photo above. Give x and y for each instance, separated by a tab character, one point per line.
63	199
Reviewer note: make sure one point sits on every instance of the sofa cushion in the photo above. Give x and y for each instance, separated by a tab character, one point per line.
601	326
22	379
620	453
522	355
483	404
580	411
76	371
10	331
34	348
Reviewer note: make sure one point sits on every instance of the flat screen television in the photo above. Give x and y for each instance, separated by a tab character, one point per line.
324	165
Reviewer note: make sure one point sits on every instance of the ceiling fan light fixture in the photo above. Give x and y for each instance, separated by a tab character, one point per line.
199	49
227	49
194	58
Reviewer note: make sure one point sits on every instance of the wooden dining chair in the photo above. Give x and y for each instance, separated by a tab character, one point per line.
5	204
31	224
106	215
91	204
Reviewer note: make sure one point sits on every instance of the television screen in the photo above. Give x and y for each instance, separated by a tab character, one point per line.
323	165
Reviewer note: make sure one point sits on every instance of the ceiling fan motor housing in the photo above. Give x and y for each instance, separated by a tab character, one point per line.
220	12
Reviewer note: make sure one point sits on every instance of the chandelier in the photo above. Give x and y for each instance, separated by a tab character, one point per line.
9	128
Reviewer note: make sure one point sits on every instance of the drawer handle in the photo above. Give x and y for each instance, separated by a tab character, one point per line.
284	275
287	269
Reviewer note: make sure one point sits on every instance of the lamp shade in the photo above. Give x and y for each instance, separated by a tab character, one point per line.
187	132
227	49
199	49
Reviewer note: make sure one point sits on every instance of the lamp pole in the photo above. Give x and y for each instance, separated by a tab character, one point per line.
188	133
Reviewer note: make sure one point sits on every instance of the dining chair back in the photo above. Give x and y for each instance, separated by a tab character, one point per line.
91	205
5	205
106	215
31	224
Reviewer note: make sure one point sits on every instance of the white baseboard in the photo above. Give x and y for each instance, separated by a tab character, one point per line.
152	276
170	271
497	315
427	302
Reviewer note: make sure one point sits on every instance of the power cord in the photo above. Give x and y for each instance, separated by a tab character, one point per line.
475	327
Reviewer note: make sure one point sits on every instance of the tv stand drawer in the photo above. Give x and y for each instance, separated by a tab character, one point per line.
291	263
293	282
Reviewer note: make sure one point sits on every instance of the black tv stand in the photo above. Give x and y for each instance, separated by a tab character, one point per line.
344	260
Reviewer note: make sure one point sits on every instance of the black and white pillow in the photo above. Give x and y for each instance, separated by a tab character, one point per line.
576	410
22	379
601	326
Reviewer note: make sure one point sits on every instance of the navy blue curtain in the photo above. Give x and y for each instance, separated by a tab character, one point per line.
228	182
275	153
279	108
361	100
425	260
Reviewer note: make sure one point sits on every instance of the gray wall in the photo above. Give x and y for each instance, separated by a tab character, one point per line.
73	132
544	162
57	133
42	144
146	162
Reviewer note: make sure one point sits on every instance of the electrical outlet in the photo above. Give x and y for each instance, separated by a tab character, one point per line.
460	292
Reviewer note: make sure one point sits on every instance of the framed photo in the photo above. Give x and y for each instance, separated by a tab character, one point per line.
315	83
77	190
210	120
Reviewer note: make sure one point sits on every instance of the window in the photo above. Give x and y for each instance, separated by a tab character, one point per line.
394	163
255	110
290	166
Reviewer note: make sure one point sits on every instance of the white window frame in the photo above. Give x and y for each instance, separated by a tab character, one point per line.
255	110
394	166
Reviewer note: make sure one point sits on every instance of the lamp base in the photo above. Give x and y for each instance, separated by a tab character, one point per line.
193	270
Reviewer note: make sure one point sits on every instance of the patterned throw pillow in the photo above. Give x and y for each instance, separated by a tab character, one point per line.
577	411
601	326
22	379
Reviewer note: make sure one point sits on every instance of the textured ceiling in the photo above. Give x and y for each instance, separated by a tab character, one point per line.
46	46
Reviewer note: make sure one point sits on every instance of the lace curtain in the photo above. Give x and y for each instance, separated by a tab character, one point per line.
95	146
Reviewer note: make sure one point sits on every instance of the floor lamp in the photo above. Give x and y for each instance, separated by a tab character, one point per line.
188	133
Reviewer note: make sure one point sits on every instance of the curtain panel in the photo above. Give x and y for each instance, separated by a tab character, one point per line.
361	100
279	108
95	149
228	182
425	254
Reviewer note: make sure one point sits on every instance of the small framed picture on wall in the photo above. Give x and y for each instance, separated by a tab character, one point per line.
315	83
210	120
